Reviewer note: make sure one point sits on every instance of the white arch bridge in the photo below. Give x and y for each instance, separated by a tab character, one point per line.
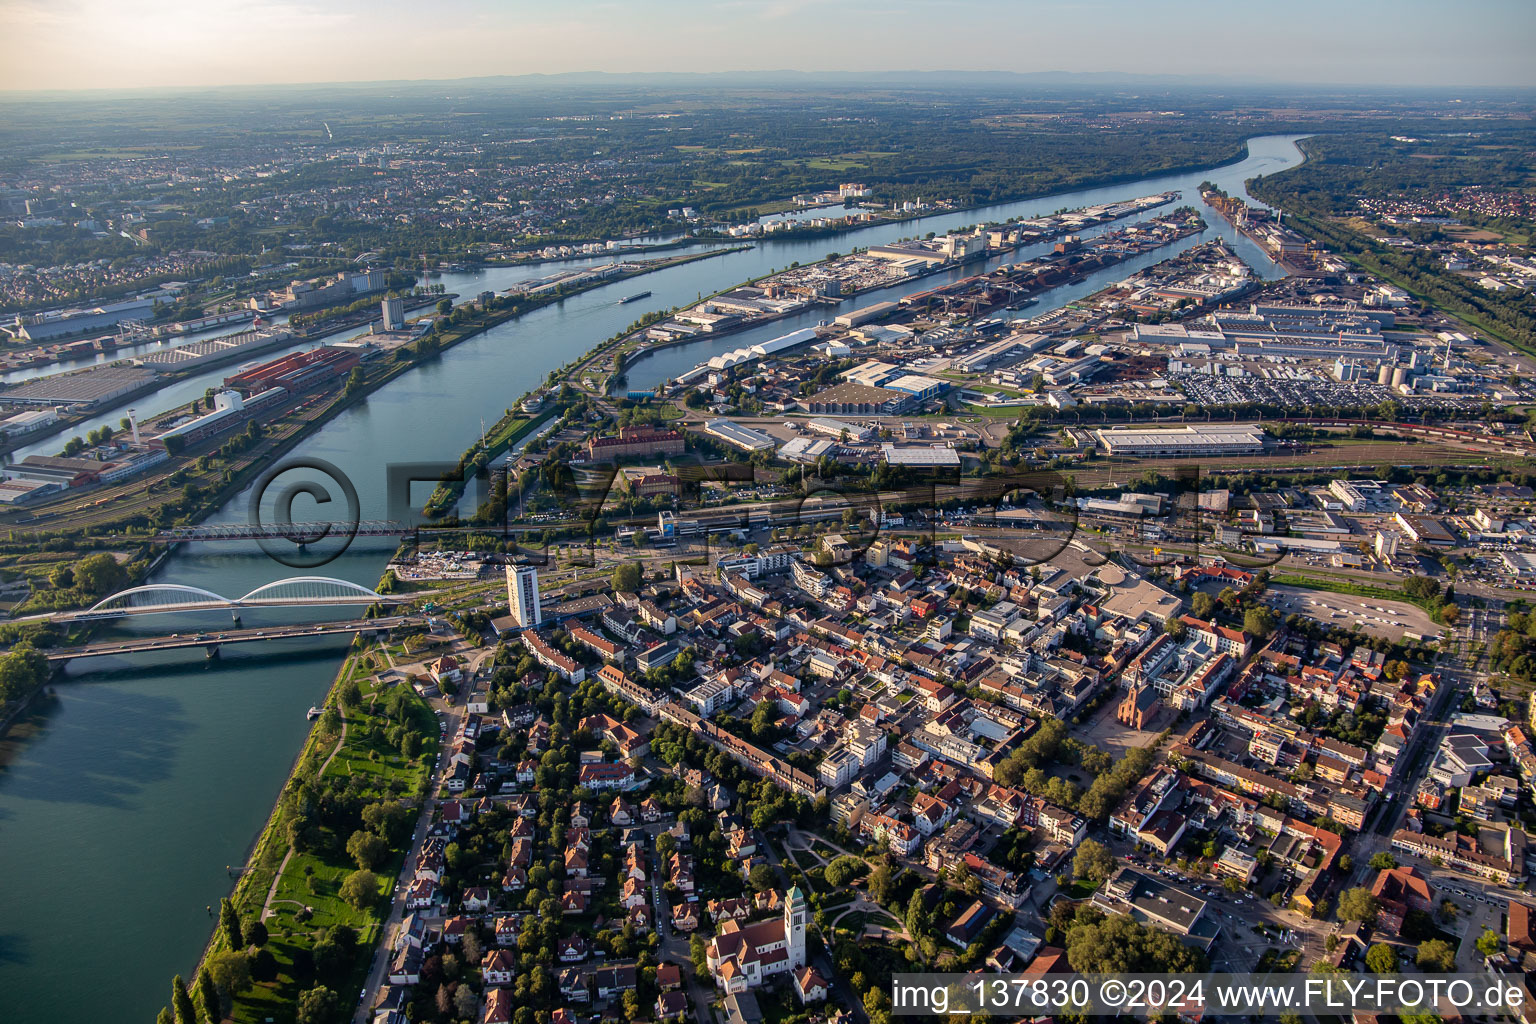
294	592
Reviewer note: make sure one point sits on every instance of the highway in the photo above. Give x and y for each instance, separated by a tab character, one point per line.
175	641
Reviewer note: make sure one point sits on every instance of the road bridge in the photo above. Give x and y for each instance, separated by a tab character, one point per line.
212	641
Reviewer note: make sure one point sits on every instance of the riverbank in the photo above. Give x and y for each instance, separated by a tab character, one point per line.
677	243
292	881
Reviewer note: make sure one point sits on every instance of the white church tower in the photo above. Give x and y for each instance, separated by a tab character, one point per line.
795	917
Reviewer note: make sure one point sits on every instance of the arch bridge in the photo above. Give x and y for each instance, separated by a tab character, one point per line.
294	592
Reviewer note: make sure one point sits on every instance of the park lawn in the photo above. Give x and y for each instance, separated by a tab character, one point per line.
838	898
360	758
1080	889
1011	412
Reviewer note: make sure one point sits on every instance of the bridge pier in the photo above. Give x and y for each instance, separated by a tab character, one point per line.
212	651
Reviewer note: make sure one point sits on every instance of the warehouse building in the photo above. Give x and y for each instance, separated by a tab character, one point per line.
81	389
741	437
1206	439
920	455
864	315
840	429
857	400
919	387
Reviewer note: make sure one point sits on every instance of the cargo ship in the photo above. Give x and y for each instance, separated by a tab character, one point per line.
634	298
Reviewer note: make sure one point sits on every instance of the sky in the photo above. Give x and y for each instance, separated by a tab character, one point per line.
110	44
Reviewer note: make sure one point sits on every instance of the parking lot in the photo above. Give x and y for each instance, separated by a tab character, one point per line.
1314	391
1369	614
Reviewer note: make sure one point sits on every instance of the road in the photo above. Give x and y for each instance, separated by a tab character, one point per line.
675	946
213	641
376	971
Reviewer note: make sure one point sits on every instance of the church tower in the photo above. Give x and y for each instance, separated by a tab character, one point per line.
796	913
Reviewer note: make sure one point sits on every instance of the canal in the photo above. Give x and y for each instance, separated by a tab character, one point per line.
125	796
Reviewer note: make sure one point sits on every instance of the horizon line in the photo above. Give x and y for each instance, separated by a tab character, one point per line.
1103	77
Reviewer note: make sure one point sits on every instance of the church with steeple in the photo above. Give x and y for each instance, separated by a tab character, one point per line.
743	956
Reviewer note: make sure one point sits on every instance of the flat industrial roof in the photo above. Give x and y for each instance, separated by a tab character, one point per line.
857	394
737	434
921	455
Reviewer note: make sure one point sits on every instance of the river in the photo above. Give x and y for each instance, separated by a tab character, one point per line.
123	798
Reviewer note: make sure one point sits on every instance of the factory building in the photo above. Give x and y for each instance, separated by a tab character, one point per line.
392	313
230	410
60	323
297	373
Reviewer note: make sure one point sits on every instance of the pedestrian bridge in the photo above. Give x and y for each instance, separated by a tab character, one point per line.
295	592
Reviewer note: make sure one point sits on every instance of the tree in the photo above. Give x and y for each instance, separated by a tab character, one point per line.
1358	904
229	924
1488	943
1383	861
1202	605
318	1005
626	577
1099	945
1381	959
881	882
465	1002
263	966
367	849
918	922
207	997
1232	884
360	889
445	306
165	1017
256	934
1259	621
22	672
231	972
1093	861
761	877
99	574
843	870
700	956
1437	955
390	819
181	1002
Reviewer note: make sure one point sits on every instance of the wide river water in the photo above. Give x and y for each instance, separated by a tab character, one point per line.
125	797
